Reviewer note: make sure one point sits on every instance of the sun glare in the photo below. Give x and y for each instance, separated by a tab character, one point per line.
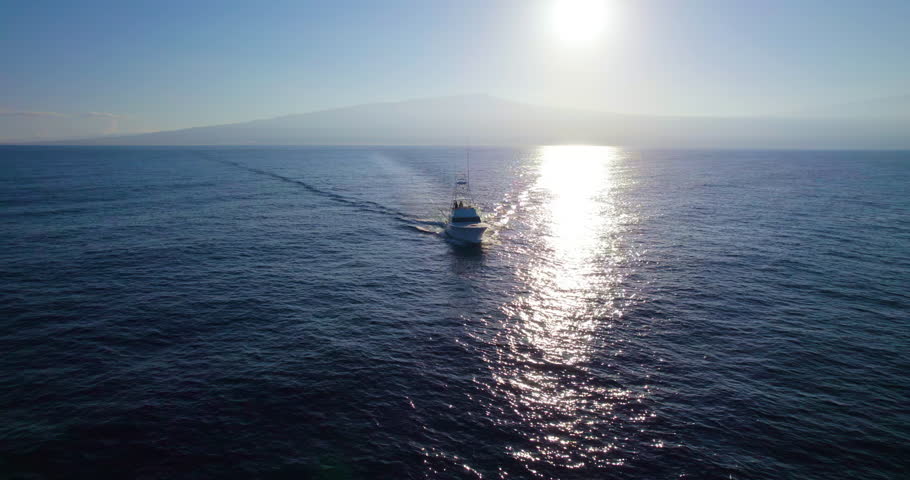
579	22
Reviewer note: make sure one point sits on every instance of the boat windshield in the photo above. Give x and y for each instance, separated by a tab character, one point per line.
465	219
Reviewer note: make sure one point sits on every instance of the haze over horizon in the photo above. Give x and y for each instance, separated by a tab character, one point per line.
486	120
97	68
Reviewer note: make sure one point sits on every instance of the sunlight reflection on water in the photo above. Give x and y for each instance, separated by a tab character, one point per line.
541	365
572	181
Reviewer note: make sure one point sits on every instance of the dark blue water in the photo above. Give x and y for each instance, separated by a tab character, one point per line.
295	313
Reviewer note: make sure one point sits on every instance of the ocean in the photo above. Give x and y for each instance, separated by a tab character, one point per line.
296	312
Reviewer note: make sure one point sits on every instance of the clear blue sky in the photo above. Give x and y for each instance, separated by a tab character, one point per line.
164	65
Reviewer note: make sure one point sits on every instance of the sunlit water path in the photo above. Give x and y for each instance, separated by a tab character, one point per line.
295	313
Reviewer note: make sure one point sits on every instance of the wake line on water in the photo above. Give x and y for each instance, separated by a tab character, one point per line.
365	205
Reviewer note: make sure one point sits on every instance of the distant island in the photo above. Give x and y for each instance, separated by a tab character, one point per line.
483	119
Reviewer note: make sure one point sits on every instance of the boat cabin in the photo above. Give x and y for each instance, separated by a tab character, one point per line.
465	214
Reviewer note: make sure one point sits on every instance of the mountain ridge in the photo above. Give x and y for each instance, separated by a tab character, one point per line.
486	119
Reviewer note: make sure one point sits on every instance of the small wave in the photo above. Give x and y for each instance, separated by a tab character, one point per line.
432	223
433	231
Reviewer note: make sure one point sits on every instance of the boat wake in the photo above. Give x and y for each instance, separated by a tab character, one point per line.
430	230
422	225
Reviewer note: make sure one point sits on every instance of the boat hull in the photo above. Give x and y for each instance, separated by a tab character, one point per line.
467	233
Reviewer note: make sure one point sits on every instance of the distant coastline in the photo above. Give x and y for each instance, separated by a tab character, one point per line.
493	121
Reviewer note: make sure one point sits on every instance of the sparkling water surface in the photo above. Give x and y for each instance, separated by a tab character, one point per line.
297	313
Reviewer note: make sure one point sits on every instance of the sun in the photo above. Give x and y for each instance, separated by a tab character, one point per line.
579	22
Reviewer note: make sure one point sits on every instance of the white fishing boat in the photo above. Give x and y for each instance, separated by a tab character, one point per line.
464	222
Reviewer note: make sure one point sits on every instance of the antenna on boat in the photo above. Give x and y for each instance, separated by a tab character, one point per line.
467	159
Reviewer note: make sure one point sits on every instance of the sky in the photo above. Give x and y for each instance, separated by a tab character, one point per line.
89	67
